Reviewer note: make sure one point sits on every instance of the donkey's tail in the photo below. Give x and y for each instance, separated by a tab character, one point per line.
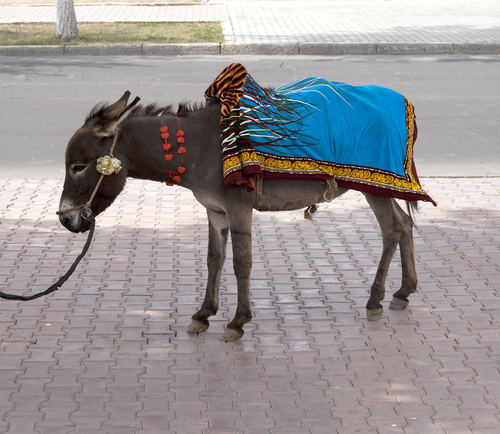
412	208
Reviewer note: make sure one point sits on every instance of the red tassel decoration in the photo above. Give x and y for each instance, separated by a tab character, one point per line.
182	150
165	135
166	147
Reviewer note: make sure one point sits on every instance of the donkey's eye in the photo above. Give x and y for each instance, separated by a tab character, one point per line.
77	168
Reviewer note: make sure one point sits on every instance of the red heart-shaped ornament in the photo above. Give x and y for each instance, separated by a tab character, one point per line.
180	139
164	129
180	133
176	178
167	146
165	136
169	157
181	169
182	150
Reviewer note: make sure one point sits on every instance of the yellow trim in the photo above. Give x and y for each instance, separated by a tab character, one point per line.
410	131
301	167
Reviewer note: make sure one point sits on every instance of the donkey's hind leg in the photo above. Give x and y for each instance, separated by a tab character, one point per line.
218	229
391	226
406	247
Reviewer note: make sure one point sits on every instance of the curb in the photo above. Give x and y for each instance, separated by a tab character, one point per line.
303	48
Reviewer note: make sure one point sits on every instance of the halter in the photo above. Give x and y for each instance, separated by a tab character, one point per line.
106	165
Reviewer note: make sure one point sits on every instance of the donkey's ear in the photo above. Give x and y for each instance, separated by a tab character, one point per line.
120	104
114	115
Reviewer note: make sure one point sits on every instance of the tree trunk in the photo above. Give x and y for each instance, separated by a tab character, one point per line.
67	27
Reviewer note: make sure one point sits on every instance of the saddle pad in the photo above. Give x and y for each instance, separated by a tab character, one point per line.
361	136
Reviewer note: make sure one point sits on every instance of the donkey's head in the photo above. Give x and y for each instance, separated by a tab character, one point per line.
92	141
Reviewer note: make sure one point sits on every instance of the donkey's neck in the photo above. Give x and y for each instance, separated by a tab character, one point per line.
141	146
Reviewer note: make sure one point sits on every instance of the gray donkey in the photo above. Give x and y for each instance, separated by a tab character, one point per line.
130	134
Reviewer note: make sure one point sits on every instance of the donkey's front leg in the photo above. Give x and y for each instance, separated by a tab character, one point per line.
241	236
218	229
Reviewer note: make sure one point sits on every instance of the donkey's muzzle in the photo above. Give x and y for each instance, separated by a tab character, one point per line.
76	220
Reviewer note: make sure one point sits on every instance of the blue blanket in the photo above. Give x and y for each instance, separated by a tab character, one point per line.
362	136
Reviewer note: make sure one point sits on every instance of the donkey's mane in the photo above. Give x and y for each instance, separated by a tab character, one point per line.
150	110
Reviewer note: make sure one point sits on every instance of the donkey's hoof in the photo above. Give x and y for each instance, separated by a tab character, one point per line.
374	314
231	335
197	326
397	304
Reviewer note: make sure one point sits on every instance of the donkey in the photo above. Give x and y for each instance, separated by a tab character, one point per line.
132	130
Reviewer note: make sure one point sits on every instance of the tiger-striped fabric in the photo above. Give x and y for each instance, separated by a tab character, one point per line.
228	87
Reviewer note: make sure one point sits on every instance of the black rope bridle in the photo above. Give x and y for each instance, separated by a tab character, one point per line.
105	166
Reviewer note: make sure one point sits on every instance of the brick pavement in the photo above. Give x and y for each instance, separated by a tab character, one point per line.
109	352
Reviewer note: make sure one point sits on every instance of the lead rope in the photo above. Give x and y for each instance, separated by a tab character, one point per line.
63	279
106	165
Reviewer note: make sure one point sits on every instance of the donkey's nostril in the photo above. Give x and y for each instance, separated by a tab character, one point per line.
65	221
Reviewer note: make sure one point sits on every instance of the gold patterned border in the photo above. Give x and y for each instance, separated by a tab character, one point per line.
291	167
410	131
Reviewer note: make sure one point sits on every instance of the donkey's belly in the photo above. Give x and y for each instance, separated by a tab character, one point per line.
292	194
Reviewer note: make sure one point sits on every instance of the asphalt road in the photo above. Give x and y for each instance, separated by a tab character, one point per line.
43	100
